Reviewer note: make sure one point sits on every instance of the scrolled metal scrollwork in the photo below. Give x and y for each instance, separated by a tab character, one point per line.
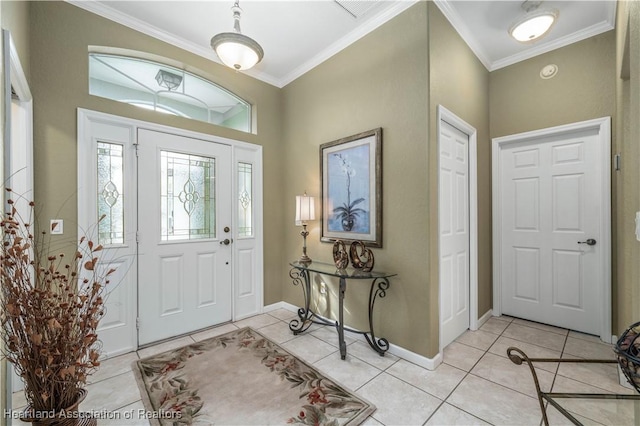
296	276
361	256
381	345
303	322
379	287
383	286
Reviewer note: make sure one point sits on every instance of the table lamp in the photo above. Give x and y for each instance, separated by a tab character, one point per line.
305	211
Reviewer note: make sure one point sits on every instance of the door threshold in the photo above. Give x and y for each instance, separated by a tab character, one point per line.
179	336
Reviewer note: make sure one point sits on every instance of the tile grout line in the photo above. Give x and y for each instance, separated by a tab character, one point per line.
467	373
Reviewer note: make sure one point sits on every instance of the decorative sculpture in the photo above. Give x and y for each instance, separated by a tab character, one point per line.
340	255
361	256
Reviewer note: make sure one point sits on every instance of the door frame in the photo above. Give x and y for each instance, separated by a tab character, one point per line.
447	116
14	77
241	151
603	127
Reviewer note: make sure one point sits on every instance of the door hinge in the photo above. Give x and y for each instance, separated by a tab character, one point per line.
135	145
137	237
138	323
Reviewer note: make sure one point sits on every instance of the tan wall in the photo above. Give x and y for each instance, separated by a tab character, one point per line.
60	34
460	83
626	182
15	18
584	88
379	81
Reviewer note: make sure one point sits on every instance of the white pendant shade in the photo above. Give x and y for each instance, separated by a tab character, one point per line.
236	50
533	25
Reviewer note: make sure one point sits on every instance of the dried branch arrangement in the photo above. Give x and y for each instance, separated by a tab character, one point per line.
50	309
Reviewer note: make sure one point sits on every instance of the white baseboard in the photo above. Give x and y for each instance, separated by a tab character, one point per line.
280	305
487	315
428	363
422	361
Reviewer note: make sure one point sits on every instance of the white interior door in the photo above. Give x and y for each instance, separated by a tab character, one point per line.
454	232
184	222
550	206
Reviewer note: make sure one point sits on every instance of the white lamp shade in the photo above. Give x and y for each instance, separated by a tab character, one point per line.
533	26
305	209
236	50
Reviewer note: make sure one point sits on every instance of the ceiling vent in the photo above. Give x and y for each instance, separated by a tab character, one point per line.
356	8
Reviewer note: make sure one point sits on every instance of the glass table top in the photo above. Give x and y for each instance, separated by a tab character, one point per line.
330	269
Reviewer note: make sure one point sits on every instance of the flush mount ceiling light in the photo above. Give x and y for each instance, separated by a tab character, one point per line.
168	79
535	22
236	50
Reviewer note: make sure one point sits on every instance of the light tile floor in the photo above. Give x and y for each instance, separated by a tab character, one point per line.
476	384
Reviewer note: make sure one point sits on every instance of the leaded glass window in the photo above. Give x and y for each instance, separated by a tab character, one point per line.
188	196
110	193
245	200
166	89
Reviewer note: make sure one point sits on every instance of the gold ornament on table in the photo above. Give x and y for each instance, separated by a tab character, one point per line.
361	256
340	255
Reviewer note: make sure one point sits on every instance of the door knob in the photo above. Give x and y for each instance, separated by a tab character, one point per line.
226	241
589	242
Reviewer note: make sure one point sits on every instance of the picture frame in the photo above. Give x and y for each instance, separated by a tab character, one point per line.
351	189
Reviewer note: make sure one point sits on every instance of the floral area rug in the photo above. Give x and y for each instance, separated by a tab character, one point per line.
242	378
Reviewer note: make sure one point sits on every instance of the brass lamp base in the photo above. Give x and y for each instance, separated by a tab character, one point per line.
304	258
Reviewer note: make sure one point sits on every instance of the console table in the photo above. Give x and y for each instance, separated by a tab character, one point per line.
301	275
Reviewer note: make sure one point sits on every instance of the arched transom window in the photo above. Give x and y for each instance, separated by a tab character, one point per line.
166	89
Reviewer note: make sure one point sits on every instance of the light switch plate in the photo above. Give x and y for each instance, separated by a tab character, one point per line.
57	227
638	226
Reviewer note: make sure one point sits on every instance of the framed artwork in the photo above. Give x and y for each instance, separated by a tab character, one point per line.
351	179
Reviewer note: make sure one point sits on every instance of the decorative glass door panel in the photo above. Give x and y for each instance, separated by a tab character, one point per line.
110	196
188	196
245	200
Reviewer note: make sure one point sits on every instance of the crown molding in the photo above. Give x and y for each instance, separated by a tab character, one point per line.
458	24
591	31
346	41
114	15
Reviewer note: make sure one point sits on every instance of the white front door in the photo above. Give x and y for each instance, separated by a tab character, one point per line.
184	220
551	207
454	232
173	275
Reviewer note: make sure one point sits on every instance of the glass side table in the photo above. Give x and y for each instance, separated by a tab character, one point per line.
301	275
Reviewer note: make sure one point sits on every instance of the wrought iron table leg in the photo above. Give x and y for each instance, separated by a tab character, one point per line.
517	356
301	277
380	345
343	345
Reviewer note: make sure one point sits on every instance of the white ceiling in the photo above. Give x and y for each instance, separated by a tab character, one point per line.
298	35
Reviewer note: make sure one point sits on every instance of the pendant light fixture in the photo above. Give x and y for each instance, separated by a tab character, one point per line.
535	23
235	49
